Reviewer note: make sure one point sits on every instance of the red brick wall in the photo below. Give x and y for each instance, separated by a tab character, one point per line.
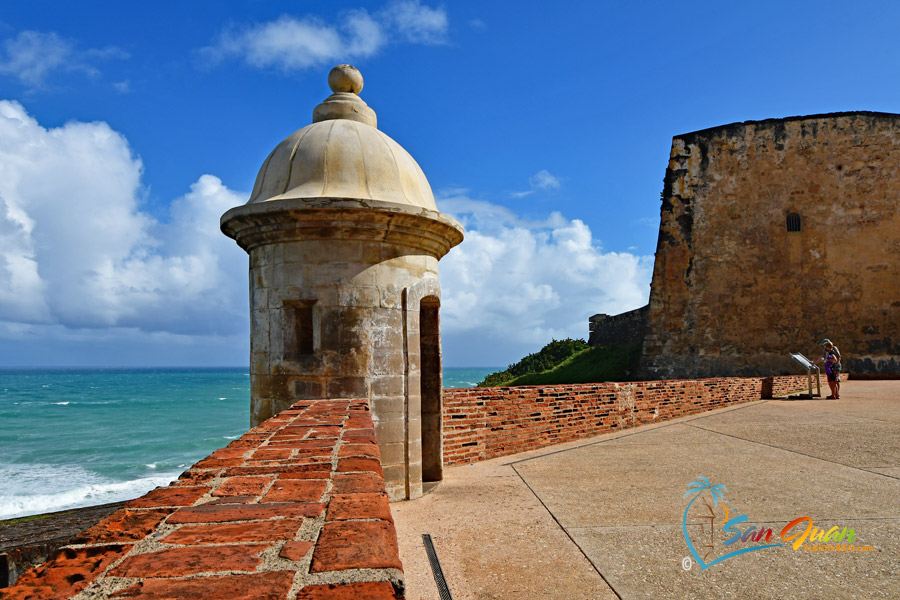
483	423
782	386
292	509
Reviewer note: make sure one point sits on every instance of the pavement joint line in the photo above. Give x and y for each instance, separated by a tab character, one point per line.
864	469
883	474
637	430
568	535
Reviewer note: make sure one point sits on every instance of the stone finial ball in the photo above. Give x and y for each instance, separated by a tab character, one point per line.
345	78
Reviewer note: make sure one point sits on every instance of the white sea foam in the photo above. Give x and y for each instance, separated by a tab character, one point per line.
61	403
35	489
223	398
231	437
150	465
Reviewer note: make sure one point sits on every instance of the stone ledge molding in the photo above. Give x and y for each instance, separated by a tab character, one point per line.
278	221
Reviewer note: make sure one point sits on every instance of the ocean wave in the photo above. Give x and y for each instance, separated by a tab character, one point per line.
61	403
21	497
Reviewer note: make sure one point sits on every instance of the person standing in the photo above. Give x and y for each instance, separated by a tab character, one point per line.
831	356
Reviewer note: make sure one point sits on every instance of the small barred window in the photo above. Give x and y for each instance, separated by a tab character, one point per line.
793	222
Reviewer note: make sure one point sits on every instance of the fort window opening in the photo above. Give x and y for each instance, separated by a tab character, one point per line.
299	328
430	335
793	222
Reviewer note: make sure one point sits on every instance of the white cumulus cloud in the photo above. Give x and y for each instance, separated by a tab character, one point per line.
84	270
418	23
77	251
512	286
290	43
294	43
542	180
31	56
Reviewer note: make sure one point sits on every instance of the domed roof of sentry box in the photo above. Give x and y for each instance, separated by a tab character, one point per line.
342	155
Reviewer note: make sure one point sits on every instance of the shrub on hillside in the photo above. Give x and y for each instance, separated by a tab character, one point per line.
547	358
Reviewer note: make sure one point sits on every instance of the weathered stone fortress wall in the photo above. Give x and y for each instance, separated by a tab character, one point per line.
619	330
483	423
294	509
734	290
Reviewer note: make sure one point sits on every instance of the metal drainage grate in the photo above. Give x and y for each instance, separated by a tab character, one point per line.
443	590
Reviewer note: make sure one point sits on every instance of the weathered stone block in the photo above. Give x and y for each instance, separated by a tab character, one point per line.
386	408
387	385
348	387
395	472
390	431
309	389
392	453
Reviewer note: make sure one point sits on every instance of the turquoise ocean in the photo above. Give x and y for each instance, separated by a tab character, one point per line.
78	437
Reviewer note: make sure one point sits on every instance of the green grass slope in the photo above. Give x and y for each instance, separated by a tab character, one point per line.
601	363
545	359
569	361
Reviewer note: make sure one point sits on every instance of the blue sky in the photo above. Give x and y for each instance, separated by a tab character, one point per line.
126	129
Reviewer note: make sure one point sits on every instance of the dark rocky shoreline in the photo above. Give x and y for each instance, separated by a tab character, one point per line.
28	541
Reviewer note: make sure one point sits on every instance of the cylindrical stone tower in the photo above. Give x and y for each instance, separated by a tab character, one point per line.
344	240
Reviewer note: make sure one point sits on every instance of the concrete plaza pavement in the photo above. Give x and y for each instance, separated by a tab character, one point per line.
602	517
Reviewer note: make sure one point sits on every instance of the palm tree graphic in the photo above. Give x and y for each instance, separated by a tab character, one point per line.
697	488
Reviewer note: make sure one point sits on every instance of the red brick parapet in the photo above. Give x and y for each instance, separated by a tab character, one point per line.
483	423
295	509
